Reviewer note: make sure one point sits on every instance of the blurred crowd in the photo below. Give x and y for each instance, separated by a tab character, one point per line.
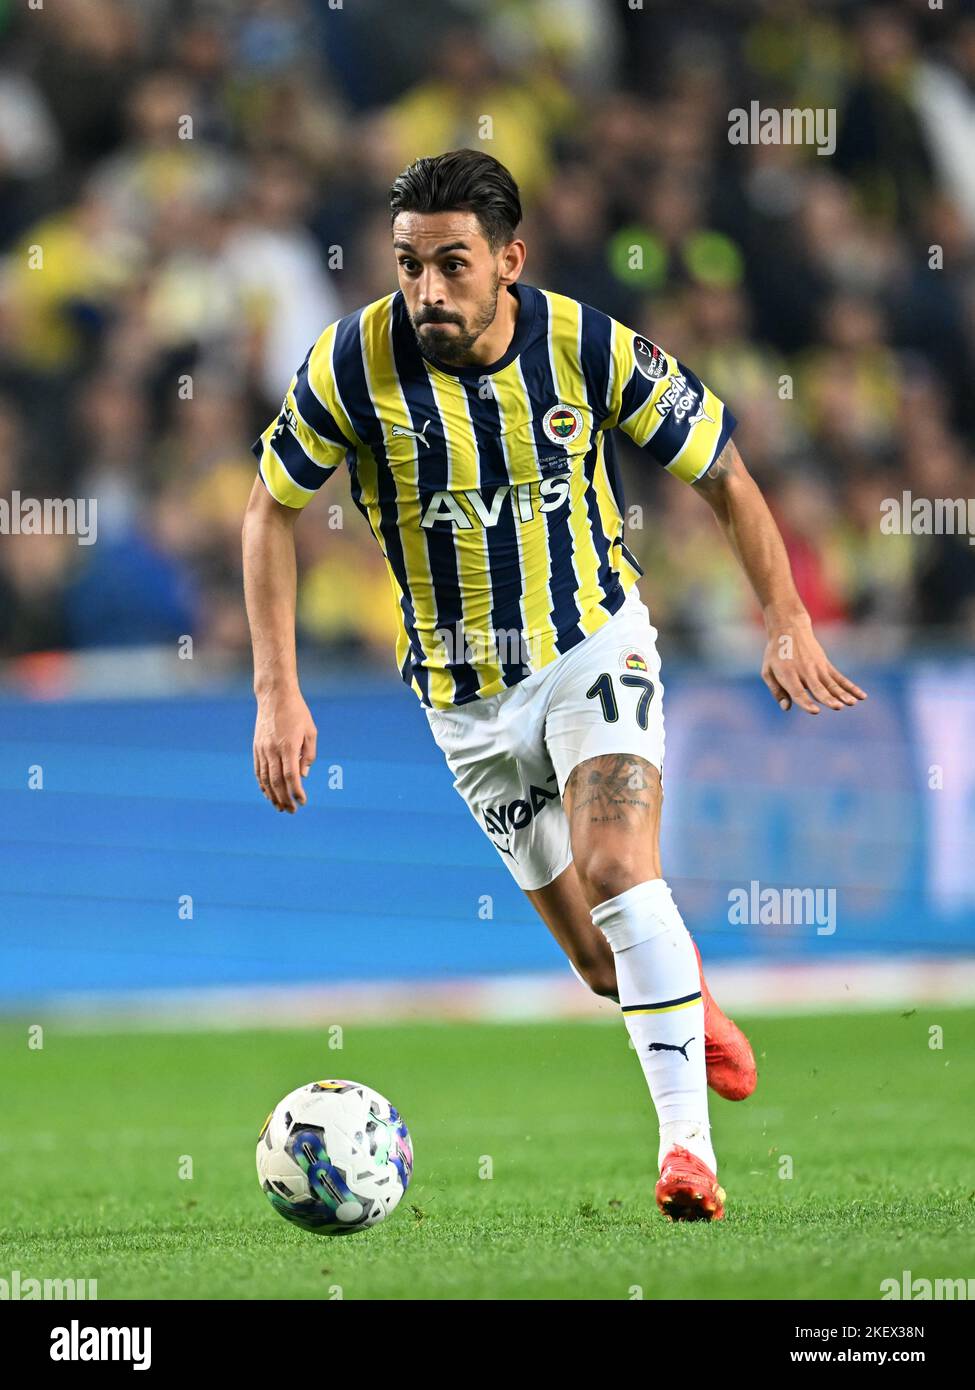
190	190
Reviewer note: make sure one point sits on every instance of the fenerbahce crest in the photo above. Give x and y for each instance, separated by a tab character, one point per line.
562	424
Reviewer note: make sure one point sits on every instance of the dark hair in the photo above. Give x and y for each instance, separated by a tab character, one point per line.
461	181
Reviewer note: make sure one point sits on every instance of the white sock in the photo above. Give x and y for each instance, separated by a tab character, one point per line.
660	996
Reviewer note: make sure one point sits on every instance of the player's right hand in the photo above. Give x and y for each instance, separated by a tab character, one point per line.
285	744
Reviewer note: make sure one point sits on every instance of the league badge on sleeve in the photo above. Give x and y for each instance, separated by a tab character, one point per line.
650	360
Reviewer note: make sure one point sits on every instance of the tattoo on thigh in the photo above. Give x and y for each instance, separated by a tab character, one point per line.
617	788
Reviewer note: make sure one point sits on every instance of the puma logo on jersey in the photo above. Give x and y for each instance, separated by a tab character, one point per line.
699	415
400	430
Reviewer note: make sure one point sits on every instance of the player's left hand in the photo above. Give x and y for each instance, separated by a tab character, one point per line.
798	672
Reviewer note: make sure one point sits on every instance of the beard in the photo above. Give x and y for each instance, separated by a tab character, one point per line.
439	345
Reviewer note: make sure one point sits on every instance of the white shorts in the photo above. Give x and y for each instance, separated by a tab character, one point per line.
512	753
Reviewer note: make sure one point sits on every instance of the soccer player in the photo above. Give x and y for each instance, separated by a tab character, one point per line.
473	413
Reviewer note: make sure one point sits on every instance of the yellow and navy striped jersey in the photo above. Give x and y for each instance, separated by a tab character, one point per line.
493	491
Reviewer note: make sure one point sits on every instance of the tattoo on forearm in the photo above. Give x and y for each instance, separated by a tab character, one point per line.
723	465
616	788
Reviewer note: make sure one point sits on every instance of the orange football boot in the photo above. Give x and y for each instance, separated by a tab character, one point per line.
687	1190
728	1054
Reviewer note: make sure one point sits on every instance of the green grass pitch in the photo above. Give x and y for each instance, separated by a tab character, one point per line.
877	1125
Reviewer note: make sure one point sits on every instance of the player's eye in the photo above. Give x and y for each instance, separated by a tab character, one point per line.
454	266
408	264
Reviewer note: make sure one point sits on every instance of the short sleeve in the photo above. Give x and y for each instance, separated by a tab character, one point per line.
664	408
305	444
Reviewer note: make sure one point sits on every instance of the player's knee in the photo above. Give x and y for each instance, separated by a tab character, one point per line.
604	873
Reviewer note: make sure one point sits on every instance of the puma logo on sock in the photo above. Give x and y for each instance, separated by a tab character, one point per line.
671	1047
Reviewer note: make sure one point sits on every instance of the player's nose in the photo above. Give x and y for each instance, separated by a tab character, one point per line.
431	289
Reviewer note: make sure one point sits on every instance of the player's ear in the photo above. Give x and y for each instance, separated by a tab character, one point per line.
511	262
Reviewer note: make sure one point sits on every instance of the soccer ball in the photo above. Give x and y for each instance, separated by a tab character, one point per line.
334	1157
